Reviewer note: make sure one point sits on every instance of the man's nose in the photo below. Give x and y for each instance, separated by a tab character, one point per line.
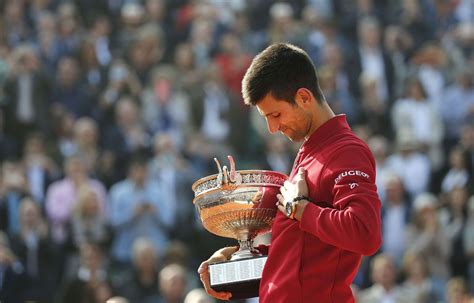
272	126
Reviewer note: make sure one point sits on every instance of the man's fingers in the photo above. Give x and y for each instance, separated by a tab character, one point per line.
281	208
203	271
301	173
203	267
281	200
218	295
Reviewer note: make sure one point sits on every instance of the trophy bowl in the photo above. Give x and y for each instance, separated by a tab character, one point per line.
240	205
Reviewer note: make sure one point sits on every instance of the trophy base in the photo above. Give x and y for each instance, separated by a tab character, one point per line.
239	277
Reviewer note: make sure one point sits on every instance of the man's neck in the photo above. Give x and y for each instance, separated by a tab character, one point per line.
321	113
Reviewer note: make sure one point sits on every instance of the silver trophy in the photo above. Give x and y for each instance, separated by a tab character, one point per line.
239	205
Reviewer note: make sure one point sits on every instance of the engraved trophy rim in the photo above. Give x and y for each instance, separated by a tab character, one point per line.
216	187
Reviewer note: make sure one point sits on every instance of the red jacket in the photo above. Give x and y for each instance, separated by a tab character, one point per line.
315	260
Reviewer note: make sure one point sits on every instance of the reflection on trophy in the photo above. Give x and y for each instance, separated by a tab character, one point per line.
240	205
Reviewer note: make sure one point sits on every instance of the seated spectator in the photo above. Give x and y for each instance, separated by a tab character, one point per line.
396	215
127	136
458	173
165	107
122	83
14	188
198	295
427	238
86	138
410	164
69	91
140	285
339	99
63	127
40	168
87	277
454	222
385	288
139	207
88	223
12	275
375	111
417	115
417	284
169	167
467	144
34	249
62	195
468	241
458	103
457	291
27	91
180	253
173	283
8	143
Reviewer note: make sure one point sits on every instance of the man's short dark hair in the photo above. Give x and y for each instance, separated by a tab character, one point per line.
281	69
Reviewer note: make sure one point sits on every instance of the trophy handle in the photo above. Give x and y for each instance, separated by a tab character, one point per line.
225	176
219	176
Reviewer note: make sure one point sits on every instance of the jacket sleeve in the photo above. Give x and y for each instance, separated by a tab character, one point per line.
353	222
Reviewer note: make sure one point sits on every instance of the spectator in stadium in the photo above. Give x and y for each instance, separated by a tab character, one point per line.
140	285
88	223
428	238
12	275
173	283
62	196
139	207
396	216
34	250
384	277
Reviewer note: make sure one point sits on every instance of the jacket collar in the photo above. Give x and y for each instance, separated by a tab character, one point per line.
327	130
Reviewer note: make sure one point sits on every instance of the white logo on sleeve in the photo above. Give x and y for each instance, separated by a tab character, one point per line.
351	173
353	185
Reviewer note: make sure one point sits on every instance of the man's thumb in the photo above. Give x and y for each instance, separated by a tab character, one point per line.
301	173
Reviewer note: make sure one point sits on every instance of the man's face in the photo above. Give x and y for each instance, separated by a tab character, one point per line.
290	119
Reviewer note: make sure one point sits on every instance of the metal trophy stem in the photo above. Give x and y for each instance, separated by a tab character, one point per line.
246	250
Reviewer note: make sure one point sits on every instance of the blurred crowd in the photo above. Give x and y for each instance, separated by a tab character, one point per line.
111	109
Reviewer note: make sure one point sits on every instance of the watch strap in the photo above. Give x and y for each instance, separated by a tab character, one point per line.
299	198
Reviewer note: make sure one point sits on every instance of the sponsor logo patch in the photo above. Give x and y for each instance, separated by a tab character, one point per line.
351	173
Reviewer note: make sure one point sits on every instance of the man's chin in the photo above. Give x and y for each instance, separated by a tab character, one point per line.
294	138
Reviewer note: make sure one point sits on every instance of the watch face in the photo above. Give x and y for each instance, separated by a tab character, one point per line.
289	208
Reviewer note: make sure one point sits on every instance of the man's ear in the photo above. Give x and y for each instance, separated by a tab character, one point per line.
303	97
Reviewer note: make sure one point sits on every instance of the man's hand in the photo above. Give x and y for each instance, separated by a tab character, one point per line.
203	270
289	191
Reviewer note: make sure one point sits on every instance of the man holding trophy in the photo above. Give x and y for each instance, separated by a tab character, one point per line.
328	210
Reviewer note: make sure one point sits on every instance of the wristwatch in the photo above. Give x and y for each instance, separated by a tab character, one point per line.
290	206
290	209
